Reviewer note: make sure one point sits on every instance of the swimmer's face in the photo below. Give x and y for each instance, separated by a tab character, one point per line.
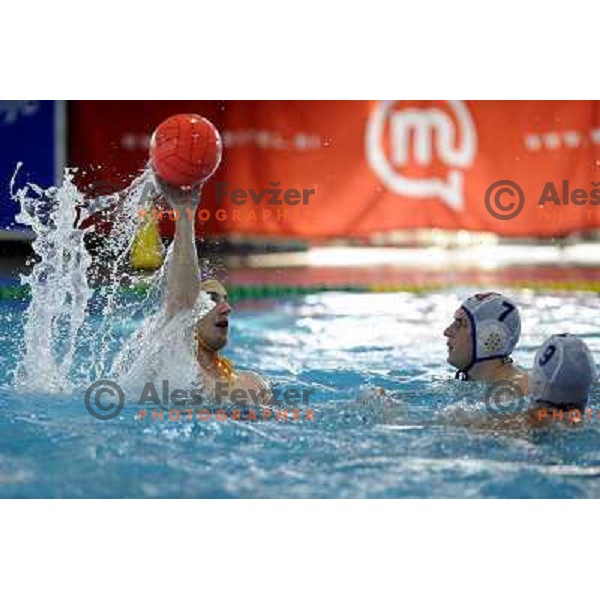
213	327
459	340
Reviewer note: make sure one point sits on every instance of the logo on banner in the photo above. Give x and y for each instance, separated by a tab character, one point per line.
11	110
403	136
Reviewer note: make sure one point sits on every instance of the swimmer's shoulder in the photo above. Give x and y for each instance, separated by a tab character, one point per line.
521	378
252	380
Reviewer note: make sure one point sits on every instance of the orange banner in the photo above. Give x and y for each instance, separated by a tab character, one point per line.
327	169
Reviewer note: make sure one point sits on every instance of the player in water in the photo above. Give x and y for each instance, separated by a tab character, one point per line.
560	384
561	380
482	337
186	292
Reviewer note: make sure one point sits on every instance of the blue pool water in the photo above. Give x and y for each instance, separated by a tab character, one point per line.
337	345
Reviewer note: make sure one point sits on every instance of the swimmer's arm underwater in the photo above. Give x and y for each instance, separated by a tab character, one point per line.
182	268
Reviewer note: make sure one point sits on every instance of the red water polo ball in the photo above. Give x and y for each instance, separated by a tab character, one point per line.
185	150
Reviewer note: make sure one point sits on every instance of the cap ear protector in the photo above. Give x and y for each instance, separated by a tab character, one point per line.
563	371
495	327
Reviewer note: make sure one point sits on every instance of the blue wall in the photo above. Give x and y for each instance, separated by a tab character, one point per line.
28	135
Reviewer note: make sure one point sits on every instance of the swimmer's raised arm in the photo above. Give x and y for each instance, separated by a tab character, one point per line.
182	268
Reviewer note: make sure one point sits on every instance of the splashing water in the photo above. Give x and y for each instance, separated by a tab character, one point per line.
77	313
58	284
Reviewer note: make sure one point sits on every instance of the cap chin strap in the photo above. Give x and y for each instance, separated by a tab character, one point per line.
463	374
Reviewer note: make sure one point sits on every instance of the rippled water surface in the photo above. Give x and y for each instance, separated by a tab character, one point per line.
338	345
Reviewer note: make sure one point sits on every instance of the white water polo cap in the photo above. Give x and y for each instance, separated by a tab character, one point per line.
495	326
563	371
